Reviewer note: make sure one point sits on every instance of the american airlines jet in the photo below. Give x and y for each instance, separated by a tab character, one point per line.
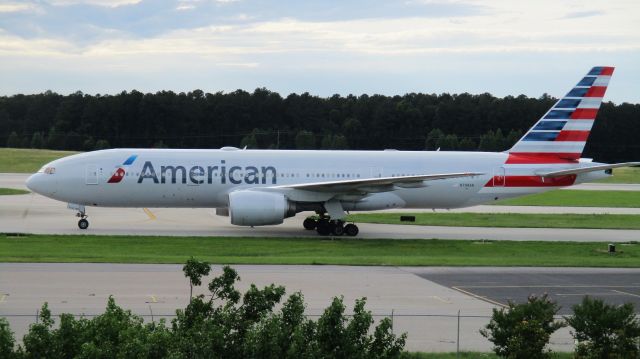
263	187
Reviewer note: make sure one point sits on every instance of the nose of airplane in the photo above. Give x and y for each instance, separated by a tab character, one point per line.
35	183
30	182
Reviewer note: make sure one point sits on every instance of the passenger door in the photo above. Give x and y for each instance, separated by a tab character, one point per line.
91	175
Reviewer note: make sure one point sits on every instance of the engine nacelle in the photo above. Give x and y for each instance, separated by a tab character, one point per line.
256	208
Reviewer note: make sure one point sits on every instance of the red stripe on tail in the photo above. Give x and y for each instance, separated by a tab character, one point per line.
584	114
608	71
573	136
596	91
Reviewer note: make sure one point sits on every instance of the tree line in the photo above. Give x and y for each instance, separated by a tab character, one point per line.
265	119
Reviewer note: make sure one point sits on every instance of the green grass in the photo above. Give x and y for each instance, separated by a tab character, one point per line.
624	175
577	198
10	191
510	220
346	251
20	160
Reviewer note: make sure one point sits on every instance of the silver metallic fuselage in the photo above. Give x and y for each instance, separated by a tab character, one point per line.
204	178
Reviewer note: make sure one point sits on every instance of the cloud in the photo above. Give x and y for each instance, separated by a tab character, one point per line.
307	42
243	34
12	7
104	3
586	13
82	20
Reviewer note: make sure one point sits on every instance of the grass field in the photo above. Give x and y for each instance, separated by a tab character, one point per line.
21	160
512	220
577	198
624	175
10	191
347	251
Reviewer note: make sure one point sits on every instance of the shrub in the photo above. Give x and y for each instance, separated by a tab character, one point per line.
523	330
6	339
605	331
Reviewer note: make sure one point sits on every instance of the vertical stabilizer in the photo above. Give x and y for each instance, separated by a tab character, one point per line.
560	135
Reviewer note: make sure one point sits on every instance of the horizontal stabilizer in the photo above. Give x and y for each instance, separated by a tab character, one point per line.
575	171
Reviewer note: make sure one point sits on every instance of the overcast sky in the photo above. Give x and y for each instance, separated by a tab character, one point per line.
504	47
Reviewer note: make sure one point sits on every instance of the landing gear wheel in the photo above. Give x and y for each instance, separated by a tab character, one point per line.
83	224
338	228
310	224
324	227
351	230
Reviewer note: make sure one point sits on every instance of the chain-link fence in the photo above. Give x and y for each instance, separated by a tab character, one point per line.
425	332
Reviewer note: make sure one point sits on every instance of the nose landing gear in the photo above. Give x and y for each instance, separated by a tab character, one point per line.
83	223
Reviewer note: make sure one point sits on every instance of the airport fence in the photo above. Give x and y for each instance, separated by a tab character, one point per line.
435	332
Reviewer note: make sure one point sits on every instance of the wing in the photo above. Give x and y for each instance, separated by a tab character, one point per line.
378	184
575	171
330	193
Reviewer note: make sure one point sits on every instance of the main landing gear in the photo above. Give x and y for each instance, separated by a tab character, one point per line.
326	226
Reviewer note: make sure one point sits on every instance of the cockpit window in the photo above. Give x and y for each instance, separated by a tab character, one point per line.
47	170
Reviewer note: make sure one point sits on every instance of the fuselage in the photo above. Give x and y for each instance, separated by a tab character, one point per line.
204	178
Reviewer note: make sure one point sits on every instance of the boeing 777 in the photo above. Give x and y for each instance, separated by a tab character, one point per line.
263	187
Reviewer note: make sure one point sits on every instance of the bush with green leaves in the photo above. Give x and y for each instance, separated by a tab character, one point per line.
6	339
522	331
222	324
605	331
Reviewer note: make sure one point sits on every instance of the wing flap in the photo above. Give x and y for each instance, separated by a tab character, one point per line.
378	184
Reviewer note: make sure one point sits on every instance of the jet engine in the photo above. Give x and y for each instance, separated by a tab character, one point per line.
256	208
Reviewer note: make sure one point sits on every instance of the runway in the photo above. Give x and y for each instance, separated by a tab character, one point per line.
566	286
37	214
34	213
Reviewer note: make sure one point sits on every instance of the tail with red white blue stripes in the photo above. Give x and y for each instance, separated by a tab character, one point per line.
561	134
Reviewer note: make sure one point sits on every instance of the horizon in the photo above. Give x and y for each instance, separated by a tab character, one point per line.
284	96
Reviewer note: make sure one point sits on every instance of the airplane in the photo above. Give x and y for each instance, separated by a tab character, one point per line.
263	187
